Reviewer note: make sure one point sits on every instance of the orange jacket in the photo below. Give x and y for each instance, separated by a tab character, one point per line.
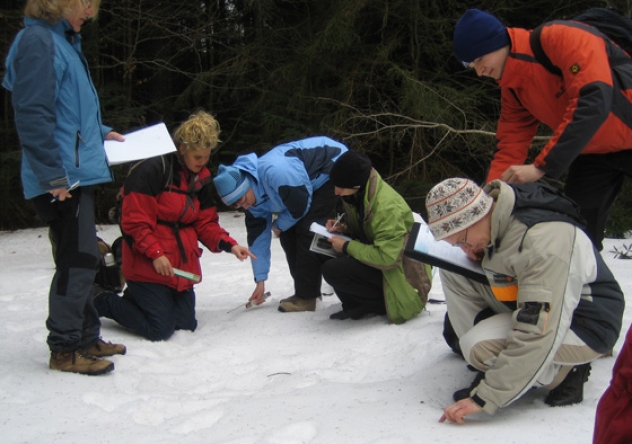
589	109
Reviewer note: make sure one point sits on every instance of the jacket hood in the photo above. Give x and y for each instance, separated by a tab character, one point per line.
248	163
504	201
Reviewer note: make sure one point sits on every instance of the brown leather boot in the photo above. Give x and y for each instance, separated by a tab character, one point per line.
75	362
102	348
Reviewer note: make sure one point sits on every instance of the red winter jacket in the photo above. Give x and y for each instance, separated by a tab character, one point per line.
614	411
166	210
589	108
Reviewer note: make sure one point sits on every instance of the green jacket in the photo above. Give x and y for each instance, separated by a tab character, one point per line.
387	223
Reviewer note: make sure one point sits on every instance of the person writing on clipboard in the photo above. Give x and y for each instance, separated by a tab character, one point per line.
552	306
372	276
167	208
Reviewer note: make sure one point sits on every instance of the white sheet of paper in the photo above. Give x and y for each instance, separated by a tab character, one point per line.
426	243
148	142
319	229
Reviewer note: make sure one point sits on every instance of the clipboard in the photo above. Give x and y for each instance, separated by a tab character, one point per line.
423	247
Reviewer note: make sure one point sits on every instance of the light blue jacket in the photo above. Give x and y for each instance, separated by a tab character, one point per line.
284	180
57	113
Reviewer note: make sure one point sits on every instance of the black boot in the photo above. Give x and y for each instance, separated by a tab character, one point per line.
465	393
356	314
571	390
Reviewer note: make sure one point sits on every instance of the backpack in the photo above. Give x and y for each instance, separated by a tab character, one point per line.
109	275
613	24
538	202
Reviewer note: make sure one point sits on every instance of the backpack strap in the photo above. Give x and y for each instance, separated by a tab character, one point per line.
119	205
604	28
539	54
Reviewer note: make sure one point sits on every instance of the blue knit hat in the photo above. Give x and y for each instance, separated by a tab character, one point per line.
478	33
231	183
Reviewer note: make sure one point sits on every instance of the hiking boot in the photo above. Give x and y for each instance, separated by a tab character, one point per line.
571	390
102	348
465	393
287	299
340	315
353	313
297	304
75	362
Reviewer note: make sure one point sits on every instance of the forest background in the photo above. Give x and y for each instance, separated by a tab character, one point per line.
378	75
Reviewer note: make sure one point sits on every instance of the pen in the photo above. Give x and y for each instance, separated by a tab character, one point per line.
249	303
337	221
72	187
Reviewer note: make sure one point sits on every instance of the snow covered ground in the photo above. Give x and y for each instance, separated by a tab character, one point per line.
257	376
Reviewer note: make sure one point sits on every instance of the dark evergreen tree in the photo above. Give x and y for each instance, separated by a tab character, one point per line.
379	75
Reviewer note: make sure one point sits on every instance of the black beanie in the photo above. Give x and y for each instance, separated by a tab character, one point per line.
351	170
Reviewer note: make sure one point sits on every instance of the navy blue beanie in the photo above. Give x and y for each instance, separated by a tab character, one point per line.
478	33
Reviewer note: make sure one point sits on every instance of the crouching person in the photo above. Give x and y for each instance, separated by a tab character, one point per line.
373	276
167	208
552	304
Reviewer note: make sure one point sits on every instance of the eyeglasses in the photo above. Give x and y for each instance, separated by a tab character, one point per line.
463	243
472	65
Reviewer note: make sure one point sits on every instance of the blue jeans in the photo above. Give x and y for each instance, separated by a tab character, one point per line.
153	311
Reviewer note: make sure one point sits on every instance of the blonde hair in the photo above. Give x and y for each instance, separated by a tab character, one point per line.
199	132
52	11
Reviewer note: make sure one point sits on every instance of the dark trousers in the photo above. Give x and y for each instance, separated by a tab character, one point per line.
304	264
594	181
154	311
72	322
357	285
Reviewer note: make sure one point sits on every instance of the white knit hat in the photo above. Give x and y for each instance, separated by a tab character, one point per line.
454	205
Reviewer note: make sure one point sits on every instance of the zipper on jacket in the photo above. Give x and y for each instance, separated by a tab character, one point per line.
79	138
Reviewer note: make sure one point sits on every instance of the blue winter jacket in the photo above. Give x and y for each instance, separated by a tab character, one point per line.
284	180
57	113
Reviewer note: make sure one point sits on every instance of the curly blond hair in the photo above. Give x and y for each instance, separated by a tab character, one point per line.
199	132
52	11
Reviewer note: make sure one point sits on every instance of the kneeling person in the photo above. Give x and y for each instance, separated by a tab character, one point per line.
167	209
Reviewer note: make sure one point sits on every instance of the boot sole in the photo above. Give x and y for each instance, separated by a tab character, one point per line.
102	371
284	310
